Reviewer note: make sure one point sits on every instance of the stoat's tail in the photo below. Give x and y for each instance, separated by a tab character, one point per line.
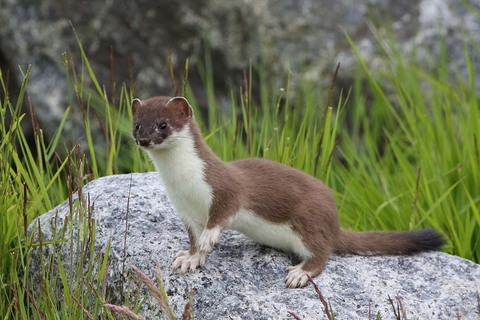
388	242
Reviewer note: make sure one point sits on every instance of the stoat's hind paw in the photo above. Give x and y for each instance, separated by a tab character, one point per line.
297	277
188	262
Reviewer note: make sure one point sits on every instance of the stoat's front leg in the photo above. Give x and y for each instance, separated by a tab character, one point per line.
203	240
220	217
208	239
189	260
195	257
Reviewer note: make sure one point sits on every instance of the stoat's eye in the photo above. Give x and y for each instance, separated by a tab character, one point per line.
137	126
163	125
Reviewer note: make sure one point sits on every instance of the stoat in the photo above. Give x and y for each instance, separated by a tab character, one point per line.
271	203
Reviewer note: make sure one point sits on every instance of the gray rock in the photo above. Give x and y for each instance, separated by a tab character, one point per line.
244	280
293	35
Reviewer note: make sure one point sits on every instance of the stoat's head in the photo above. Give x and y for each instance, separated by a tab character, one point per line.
158	122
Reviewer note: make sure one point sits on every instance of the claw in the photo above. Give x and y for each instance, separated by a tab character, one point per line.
296	277
188	262
182	253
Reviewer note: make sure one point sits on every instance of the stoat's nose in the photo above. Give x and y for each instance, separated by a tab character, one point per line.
143	142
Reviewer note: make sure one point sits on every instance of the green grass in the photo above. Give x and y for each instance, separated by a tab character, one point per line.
400	150
419	166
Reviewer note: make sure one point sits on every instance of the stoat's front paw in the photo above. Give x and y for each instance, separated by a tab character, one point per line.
188	262
297	277
207	240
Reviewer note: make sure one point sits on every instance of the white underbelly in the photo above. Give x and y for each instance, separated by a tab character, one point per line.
277	235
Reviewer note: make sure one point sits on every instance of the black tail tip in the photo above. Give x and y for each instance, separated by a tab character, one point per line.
427	240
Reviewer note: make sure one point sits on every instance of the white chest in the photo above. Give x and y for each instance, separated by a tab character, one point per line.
183	173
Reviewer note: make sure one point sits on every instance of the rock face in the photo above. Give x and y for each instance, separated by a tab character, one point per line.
244	280
292	34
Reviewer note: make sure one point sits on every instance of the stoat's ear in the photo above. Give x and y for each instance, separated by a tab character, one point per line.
181	105
136	104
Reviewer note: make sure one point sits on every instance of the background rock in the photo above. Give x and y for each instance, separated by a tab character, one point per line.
291	34
244	280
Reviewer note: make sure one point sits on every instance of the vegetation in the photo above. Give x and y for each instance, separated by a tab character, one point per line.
401	150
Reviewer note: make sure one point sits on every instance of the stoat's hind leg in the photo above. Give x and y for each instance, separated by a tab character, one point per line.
297	276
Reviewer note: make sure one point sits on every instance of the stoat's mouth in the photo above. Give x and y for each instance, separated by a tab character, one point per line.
147	147
152	146
146	143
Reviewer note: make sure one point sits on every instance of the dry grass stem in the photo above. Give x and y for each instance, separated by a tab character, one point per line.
294	315
156	293
188	311
399	311
85	311
322	299
124	310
